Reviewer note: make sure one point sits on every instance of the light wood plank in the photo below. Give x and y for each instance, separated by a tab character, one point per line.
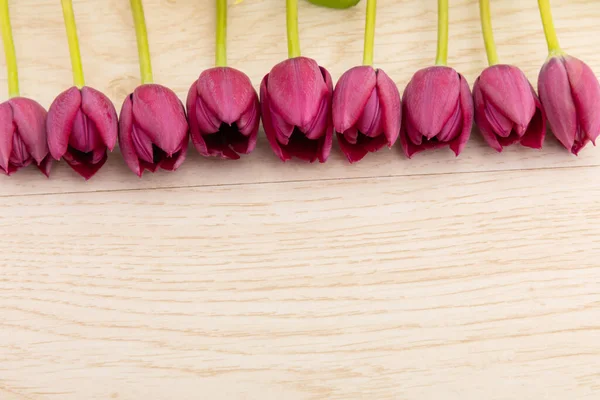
462	286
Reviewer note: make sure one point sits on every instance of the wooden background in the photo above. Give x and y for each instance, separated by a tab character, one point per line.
466	278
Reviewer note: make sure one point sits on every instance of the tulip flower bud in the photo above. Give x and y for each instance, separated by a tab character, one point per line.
437	111
23	136
296	109
507	109
82	125
223	112
366	111
570	94
153	131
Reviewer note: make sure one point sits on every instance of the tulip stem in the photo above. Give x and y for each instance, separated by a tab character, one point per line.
142	41
488	33
293	38
221	44
369	32
9	51
441	57
548	23
69	17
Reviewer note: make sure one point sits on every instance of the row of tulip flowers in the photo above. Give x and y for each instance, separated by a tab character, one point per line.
299	106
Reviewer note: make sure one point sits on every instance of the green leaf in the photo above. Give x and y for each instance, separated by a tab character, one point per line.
335	3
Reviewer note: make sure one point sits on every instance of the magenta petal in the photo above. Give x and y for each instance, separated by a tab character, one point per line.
353	152
268	121
536	130
125	137
585	90
86	164
158	111
350	96
46	165
481	118
296	90
555	94
507	89
61	117
7	131
101	111
431	97
326	141
30	119
391	107
226	92
369	123
195	132
466	106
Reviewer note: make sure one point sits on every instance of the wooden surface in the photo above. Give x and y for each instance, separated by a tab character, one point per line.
466	278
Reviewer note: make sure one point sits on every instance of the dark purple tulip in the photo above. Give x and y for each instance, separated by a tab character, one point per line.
296	109
366	111
224	113
153	130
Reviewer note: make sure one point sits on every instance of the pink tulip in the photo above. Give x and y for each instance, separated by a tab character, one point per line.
507	109
82	125
437	111
296	109
153	130
224	113
23	136
570	94
366	111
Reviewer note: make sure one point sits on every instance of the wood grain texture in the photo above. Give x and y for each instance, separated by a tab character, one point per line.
466	278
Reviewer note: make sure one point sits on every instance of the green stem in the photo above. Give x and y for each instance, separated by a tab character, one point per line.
369	32
142	41
488	34
221	45
441	57
293	38
9	51
551	38
69	17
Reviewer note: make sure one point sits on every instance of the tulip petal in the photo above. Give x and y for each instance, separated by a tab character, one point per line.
555	94
466	106
585	90
175	161
101	111
7	131
369	123
506	88
125	137
326	141
226	92
536	130
350	96
354	152
195	133
502	126
158	111
391	107
481	118
30	119
86	164
431	98
84	136
296	89
46	165
61	117
267	119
